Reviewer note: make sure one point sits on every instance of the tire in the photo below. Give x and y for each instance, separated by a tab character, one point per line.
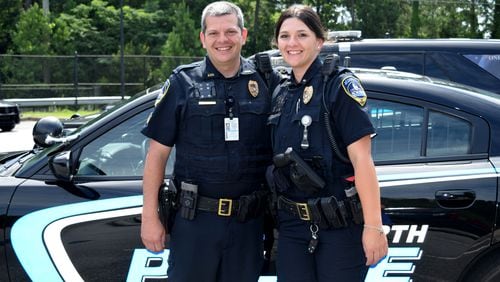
7	127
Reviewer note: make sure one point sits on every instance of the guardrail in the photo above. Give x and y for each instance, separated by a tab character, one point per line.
66	101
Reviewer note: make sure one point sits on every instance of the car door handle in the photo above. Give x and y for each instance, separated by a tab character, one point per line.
455	199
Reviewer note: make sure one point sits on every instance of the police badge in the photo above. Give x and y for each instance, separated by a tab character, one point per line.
307	95
253	88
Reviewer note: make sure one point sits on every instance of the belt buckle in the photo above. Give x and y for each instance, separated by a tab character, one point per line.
303	211
225	207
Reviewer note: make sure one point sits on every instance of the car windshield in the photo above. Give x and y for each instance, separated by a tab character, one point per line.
10	164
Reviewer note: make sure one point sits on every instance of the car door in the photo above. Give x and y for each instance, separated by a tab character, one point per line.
88	228
438	187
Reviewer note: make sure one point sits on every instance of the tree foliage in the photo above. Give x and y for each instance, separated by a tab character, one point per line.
92	26
171	28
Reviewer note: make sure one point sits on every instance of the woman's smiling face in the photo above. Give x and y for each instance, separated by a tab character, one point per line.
298	44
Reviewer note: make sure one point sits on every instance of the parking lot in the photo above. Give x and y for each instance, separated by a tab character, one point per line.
18	139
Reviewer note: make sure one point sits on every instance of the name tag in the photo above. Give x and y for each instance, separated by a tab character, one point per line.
204	103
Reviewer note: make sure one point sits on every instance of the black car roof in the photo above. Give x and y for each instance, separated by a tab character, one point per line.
470	46
437	91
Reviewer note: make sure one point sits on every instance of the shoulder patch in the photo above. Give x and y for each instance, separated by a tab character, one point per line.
164	91
353	88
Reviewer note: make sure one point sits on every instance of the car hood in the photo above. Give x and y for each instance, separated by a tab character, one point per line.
8	185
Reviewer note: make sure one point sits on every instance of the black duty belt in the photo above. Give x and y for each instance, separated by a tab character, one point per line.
300	210
327	212
222	206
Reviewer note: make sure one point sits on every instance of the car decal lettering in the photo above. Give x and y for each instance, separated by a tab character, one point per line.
146	265
393	267
413	232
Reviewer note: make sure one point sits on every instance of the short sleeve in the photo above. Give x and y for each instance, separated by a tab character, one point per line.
348	109
162	125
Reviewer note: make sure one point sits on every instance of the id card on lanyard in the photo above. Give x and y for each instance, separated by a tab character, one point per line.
231	129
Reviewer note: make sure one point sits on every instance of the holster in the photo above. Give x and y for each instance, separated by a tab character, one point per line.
315	210
188	200
332	210
252	205
167	204
354	205
353	201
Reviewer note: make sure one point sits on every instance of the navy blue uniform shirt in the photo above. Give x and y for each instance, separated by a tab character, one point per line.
190	114
348	118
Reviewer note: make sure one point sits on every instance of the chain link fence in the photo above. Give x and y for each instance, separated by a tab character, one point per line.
33	76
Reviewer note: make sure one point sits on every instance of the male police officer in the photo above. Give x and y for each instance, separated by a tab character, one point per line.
215	112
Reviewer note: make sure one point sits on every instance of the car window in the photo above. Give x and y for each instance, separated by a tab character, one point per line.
489	62
119	152
400	132
409	62
447	135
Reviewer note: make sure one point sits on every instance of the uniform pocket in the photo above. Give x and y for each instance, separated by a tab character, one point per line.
205	121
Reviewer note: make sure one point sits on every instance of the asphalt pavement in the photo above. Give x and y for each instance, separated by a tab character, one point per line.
20	138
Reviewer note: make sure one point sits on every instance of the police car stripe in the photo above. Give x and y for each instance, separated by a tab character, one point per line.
434	180
475	173
31	245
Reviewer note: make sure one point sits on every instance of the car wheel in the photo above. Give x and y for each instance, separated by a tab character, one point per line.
486	270
8	127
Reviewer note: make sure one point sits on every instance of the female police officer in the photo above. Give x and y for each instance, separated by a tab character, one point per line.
321	235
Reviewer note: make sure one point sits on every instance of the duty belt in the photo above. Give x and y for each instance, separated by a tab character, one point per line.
222	206
326	212
300	210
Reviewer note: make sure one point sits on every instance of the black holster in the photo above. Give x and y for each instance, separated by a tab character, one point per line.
252	205
188	200
167	203
354	205
334	212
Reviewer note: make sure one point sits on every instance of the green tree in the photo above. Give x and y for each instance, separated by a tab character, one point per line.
9	13
415	18
32	36
378	18
182	42
33	32
260	17
495	26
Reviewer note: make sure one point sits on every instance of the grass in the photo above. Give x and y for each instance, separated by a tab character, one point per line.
58	113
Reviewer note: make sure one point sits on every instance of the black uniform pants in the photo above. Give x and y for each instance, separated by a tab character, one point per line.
339	255
214	248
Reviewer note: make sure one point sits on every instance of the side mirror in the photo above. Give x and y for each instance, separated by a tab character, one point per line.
60	165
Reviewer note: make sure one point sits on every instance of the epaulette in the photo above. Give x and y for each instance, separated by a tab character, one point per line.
247	67
187	66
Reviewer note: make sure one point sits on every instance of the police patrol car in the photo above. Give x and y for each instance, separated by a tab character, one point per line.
474	62
71	211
